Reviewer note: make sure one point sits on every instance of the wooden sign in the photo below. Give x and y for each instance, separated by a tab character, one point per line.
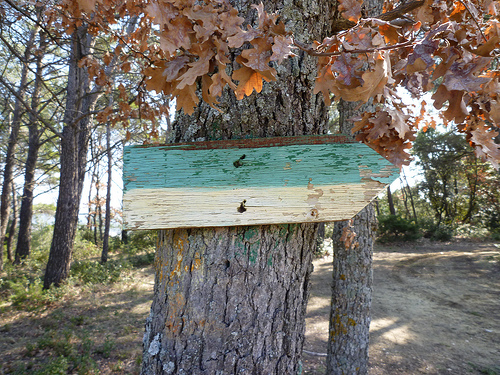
251	181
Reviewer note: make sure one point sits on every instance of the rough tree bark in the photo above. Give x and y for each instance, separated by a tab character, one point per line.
34	143
5	203
392	209
11	232
352	270
74	143
107	216
232	300
351	297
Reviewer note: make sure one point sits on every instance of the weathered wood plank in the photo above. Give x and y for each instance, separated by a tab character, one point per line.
245	182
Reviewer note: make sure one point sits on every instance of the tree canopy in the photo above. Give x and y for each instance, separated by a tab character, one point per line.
450	48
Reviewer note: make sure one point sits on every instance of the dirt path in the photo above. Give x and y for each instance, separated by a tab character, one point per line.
436	310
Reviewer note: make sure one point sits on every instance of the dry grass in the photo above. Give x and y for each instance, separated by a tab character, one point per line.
90	329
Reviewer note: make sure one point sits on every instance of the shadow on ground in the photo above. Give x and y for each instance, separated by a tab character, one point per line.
436	310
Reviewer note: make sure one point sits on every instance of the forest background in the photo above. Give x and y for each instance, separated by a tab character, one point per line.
457	195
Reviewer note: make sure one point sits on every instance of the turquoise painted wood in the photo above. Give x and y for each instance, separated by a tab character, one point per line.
256	181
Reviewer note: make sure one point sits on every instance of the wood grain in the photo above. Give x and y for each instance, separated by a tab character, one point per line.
310	179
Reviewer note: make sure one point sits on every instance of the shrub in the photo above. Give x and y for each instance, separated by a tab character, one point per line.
397	228
495	235
471	231
84	247
441	232
28	294
141	260
58	366
60	345
93	272
141	240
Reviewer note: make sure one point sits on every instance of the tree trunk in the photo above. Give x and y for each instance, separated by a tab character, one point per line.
107	217
351	297
410	194
91	214
232	300
392	210
74	144
35	132
229	300
124	237
5	203
352	271
12	225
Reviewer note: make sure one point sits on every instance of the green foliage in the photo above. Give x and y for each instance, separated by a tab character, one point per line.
115	244
58	366
140	241
60	345
84	248
495	235
141	260
27	293
396	228
485	370
41	238
85	233
73	355
457	186
471	231
93	272
106	348
441	232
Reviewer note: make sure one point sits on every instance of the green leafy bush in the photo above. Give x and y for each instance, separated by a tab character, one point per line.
396	228
27	293
140	241
59	344
84	248
495	235
93	272
441	232
58	366
141	260
471	231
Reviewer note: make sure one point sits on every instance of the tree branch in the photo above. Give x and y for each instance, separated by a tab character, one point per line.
312	52
474	19
28	108
400	10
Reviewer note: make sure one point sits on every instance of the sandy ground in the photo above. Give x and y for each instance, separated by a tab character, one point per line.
436	310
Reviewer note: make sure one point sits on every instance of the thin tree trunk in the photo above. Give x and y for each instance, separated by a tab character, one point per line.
405	202
74	144
411	197
35	132
97	203
352	271
5	203
107	217
99	206
124	237
392	210
13	225
91	216
351	297
232	300
472	180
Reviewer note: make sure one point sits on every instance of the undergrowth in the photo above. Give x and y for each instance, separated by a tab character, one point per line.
22	285
70	341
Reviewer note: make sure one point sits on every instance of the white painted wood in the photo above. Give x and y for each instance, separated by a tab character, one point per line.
196	207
